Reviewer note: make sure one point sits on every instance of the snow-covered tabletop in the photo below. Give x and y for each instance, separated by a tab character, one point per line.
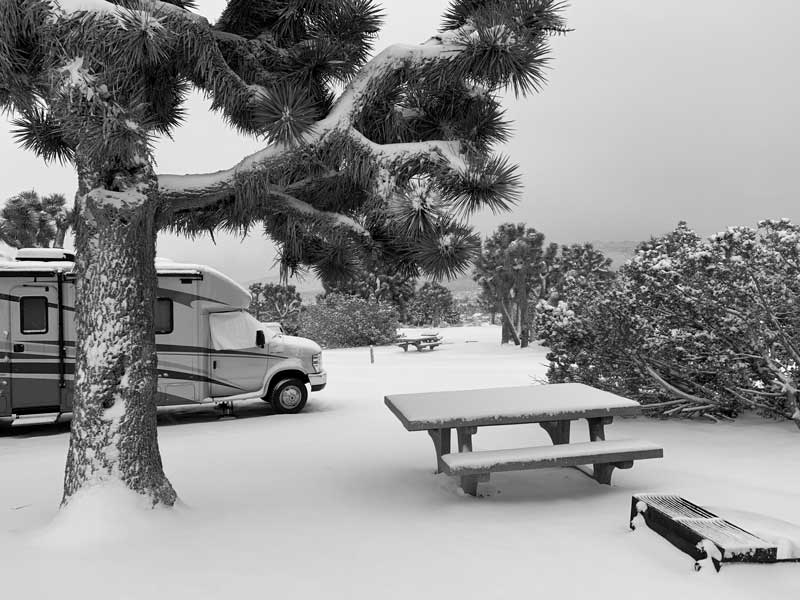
506	405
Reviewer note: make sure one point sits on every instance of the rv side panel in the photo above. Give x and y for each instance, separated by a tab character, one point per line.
181	379
34	345
6	283
68	389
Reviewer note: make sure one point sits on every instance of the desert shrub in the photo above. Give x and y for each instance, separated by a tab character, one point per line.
690	327
376	281
340	321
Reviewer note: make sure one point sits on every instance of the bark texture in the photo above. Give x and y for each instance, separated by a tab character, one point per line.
114	433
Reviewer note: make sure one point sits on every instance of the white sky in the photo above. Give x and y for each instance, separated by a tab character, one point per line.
655	112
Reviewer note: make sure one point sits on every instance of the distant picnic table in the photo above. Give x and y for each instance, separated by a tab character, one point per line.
421	341
553	407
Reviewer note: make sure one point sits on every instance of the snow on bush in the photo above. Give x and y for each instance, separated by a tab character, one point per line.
340	320
690	327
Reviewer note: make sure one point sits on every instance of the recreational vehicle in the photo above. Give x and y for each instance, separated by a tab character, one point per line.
210	349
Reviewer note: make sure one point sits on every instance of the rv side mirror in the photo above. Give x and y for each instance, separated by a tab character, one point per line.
261	340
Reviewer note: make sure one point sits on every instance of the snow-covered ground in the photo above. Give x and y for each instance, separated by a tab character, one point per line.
341	502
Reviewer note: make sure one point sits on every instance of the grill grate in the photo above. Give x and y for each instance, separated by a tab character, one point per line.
685	525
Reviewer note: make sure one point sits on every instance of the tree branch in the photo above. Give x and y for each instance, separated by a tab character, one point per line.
673	390
304	208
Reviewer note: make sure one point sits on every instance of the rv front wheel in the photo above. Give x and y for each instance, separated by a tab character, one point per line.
289	396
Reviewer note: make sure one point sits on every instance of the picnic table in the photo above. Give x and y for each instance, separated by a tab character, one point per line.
424	340
553	407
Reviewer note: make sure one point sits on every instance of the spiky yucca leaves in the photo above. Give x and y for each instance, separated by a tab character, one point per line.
24	53
285	113
538	15
449	253
492	183
304	47
272	68
430	113
133	64
416	209
38	131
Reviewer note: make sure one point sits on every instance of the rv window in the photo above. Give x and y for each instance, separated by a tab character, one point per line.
33	314
233	330
163	316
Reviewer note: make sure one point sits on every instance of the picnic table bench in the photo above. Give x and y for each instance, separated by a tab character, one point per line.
430	341
553	407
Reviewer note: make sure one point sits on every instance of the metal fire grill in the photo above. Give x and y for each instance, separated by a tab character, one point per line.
686	525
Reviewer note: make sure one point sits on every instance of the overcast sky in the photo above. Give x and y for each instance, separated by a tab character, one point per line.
654	112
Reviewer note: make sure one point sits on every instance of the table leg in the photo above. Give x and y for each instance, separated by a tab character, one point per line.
465	438
441	444
557	430
602	472
597	427
469	483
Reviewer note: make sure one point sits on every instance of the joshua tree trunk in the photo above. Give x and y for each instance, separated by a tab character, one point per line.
522	299
508	326
61	233
114	414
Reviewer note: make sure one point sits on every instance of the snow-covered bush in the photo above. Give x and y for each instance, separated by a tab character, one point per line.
690	327
339	320
378	280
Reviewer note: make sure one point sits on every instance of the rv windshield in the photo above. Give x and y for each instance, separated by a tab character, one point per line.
233	330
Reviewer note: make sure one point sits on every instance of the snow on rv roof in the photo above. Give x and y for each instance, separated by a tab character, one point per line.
44	254
47	259
168	266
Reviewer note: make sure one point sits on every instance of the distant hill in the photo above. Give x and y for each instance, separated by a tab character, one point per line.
618	252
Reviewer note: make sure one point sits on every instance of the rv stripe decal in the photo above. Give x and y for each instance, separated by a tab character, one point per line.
51	368
183	376
38	367
172	348
204	350
184	298
54	343
10	298
30	356
165	348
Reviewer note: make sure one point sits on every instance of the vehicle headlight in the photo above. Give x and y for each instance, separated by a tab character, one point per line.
316	362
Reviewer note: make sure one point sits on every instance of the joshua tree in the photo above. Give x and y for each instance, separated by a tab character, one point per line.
395	162
28	221
515	270
274	302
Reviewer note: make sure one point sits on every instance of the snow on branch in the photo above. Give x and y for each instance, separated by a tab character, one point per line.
213	187
304	208
275	198
71	7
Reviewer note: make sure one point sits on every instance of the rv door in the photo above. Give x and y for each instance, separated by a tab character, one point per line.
238	363
35	365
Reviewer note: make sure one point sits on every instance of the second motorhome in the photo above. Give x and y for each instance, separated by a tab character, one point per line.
210	349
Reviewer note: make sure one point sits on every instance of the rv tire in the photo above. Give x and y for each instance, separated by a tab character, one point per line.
289	396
